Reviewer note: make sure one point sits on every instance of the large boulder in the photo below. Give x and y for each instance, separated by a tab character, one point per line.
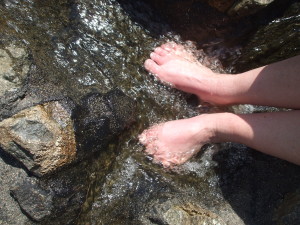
41	137
49	136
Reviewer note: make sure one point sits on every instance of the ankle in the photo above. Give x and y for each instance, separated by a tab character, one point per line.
223	89
229	127
206	125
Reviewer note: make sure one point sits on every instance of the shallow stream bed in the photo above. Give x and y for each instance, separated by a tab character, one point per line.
78	47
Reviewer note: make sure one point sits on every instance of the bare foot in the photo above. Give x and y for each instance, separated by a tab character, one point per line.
172	64
175	142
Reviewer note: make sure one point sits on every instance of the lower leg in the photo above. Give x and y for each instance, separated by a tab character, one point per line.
272	85
276	134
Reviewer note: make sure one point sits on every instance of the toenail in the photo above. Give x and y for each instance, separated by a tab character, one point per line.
142	138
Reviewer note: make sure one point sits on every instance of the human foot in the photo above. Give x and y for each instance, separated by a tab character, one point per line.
172	64
175	142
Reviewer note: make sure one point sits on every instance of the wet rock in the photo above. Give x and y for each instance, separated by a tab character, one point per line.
11	175
254	184
276	41
14	67
288	211
136	193
247	7
35	202
172	213
100	118
41	137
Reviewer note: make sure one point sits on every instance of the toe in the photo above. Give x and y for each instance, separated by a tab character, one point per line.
161	51
151	66
143	138
159	59
151	149
169	46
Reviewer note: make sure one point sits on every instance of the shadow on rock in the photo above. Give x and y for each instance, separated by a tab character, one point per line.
256	185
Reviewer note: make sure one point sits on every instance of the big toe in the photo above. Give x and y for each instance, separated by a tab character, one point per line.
152	66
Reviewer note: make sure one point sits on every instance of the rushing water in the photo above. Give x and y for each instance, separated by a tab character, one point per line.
80	46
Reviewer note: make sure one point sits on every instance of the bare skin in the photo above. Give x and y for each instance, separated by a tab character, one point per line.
175	142
277	134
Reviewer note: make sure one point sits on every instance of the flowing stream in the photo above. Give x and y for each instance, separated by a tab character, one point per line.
80	46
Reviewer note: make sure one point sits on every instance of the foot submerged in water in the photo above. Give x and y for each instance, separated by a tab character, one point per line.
174	142
174	65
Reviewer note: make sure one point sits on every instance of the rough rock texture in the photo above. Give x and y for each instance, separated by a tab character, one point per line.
247	7
35	202
56	199
170	212
11	174
41	137
14	68
68	133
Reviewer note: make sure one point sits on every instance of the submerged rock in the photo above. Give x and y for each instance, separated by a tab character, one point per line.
276	41
100	118
41	137
172	213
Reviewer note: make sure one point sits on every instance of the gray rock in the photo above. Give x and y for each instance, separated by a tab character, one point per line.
35	202
247	7
172	213
14	67
41	137
11	174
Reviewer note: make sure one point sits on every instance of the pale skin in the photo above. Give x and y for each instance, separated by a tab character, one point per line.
277	133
